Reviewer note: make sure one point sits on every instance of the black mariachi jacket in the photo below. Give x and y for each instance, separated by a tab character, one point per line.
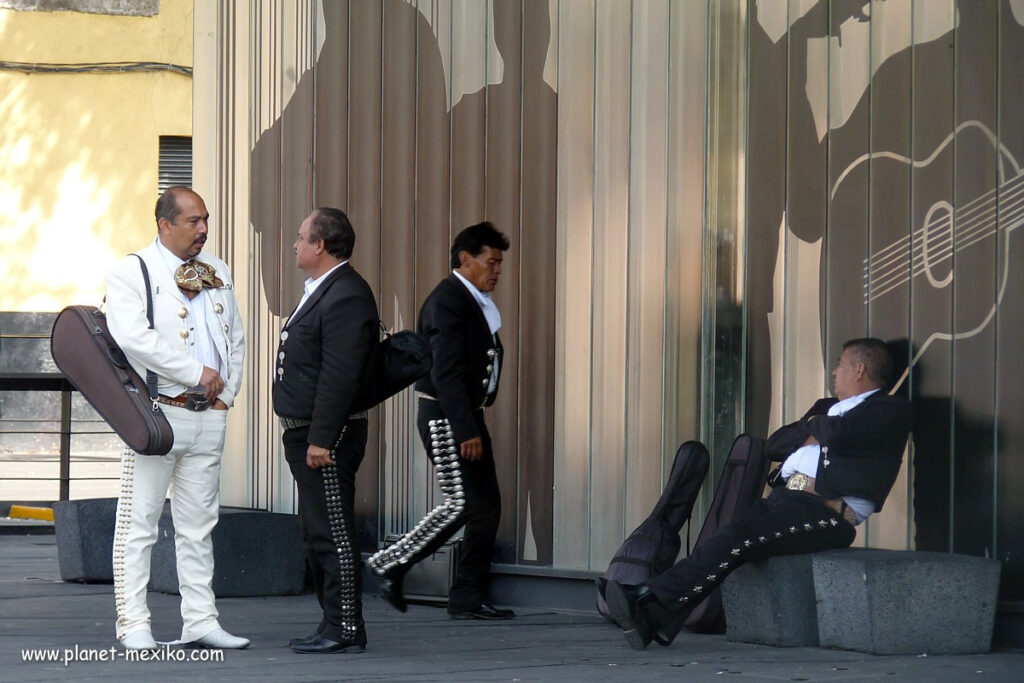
464	353
324	355
861	451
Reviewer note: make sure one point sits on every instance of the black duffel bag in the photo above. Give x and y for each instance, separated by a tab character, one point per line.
400	359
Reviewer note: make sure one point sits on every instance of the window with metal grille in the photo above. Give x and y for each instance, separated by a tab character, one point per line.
175	162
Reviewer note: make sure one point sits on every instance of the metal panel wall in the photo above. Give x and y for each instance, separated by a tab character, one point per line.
1008	200
775	177
576	161
578	128
631	158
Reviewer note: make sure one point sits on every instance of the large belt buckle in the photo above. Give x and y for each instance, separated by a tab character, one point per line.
797	481
196	402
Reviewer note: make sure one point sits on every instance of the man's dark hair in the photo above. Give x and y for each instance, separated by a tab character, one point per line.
167	204
876	356
473	239
332	226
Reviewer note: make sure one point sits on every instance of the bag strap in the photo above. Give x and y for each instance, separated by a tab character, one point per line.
150	375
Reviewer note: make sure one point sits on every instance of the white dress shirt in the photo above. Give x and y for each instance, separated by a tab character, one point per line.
202	347
309	286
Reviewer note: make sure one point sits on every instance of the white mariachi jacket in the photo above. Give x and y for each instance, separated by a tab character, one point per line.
165	349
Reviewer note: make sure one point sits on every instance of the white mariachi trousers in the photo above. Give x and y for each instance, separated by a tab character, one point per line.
192	471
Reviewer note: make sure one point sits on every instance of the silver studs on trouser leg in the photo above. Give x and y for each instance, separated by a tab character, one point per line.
343	547
122	524
444	451
736	556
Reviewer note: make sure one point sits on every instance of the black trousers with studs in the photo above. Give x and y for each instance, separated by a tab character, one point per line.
480	515
785	523
472	500
326	513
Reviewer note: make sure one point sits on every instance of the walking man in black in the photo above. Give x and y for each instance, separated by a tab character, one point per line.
839	463
463	323
322	361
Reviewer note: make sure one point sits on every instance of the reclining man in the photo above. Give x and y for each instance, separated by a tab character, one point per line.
839	462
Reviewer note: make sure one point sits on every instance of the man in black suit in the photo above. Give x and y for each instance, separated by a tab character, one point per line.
463	323
322	362
839	462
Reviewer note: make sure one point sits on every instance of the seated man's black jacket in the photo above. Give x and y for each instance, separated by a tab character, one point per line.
861	451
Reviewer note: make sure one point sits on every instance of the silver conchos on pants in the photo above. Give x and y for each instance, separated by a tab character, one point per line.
444	452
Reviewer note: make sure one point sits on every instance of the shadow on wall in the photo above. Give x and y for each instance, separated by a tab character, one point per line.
951	467
526	212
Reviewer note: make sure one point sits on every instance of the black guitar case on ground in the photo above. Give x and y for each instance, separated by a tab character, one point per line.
741	484
653	546
84	350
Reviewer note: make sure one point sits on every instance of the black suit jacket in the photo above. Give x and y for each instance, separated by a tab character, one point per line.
324	355
463	352
861	451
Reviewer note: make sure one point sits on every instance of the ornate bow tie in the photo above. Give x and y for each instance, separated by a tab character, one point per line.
194	276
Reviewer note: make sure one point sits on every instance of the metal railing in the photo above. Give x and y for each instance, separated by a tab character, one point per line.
52	381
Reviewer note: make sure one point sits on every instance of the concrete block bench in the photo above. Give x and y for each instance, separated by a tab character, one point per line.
905	602
255	552
772	602
84	531
876	601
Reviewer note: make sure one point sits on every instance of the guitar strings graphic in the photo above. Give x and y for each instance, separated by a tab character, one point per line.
888	269
894	273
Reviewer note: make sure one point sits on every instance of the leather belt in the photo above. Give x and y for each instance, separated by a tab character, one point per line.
194	402
296	422
801	482
293	423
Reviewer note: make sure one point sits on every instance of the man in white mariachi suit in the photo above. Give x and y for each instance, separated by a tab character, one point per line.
196	348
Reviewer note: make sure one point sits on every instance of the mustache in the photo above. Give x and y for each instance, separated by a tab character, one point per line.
200	240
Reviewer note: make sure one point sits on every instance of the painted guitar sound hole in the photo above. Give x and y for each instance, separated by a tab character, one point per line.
937	243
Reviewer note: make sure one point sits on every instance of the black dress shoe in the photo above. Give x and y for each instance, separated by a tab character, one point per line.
625	608
484	610
391	590
322	645
308	639
664	635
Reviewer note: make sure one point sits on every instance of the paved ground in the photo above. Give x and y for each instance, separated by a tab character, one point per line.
38	611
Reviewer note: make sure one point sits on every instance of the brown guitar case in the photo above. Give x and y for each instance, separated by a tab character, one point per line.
87	354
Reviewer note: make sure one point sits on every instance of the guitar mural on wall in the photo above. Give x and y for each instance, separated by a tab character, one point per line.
903	155
941	235
818	71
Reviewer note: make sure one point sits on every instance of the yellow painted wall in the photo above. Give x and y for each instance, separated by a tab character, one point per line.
79	152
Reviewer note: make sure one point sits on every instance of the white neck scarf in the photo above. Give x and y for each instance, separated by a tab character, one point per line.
487	305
